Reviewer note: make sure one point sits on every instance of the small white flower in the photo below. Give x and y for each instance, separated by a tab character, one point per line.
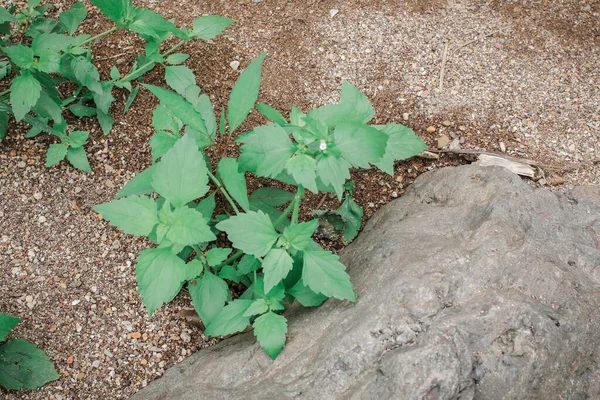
323	145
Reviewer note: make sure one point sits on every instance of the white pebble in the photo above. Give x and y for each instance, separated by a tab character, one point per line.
235	64
41	219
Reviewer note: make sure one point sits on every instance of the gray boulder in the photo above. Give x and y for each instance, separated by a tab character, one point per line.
474	284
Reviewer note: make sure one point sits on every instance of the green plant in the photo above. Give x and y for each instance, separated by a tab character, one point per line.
22	364
275	257
43	55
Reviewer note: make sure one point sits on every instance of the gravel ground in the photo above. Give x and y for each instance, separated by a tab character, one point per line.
519	77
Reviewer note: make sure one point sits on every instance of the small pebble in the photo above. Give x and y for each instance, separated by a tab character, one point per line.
502	147
75	302
333	13
21	164
235	64
96	364
37	196
405	116
557	181
41	219
446	123
431	129
462	128
443	141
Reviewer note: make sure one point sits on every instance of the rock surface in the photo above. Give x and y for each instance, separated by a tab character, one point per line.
472	285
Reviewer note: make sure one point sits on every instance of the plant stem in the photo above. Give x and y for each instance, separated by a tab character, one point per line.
98	36
231	259
297	199
132	73
7	91
224	191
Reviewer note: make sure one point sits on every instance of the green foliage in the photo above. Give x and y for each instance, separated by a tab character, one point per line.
22	364
273	254
41	53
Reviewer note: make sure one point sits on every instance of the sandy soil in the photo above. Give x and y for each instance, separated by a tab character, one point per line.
518	76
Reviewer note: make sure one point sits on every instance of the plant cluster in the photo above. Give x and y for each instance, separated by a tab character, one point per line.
52	74
22	364
271	251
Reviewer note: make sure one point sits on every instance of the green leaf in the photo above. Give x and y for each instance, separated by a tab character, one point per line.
135	215
3	124
177	58
303	167
182	175
82	111
276	265
193	269
207	206
56	153
164	120
105	120
271	114
161	142
204	106
234	181
24	93
73	17
333	172
20	55
87	74
248	264
353	214
266	151
117	10
251	232
78	159
160	275
46	107
270	329
24	366
6	16
324	274
222	122
78	138
188	227
360	144
104	99
179	77
299	235
271	196
130	99
230	320
216	256
180	107
353	107
208	296
244	93
7	323
258	307
148	22
402	144
305	296
209	26
139	184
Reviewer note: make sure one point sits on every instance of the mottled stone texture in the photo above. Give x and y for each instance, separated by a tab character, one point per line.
474	284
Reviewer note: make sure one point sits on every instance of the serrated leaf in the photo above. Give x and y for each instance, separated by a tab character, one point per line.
216	256
135	215
7	323
270	329
78	138
164	120
177	58
230	320
305	296
5	16
46	107
234	181
352	214
258	307
161	142
402	144
139	184
78	159
207	206
188	227
180	107
204	106
271	114
24	93
271	196
56	153
24	366
353	107
248	264
323	273
87	74
251	232
360	144
182	175
303	167
179	77
209	296
299	235
209	26
266	151
244	93
334	172
130	99
117	10
160	274
276	265
82	111
20	55
73	17
193	269
148	22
